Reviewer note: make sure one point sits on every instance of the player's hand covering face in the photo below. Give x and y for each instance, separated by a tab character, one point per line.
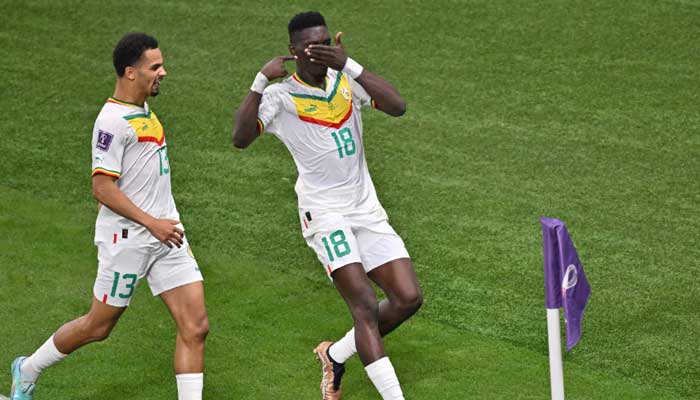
331	56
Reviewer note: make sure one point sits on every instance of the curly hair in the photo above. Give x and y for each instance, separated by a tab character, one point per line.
304	20
130	49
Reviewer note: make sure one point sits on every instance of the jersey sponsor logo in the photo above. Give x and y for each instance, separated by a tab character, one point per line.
332	110
104	139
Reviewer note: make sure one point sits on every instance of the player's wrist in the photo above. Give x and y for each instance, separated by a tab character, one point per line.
260	83
352	68
148	221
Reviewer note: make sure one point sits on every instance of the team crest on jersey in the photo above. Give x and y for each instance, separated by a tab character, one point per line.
104	139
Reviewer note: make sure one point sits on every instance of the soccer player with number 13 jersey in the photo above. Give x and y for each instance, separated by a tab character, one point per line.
138	233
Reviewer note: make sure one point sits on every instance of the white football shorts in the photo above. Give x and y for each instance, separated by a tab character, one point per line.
340	240
121	267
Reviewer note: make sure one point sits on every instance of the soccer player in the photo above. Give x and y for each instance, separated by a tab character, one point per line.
316	113
137	233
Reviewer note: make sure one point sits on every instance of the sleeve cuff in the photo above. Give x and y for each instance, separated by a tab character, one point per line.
102	171
261	127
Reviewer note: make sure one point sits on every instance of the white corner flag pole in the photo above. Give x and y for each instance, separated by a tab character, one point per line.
556	370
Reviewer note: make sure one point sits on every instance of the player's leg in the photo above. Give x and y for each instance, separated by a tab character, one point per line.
177	280
186	305
356	289
385	258
398	280
403	299
94	326
338	251
114	286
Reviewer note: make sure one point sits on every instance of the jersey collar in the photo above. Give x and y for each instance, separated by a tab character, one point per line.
308	85
124	103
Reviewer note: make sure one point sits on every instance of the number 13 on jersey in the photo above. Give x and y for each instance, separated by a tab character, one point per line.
345	142
164	162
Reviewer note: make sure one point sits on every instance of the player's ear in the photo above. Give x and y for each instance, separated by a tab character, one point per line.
130	73
292	50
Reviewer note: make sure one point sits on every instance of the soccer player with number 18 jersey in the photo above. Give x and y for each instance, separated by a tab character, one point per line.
316	113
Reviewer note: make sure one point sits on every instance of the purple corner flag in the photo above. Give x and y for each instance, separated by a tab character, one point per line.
564	278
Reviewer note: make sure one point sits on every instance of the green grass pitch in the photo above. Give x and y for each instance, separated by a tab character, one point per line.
585	111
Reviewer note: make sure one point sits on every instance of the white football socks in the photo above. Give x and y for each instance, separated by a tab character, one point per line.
190	386
344	348
45	356
382	374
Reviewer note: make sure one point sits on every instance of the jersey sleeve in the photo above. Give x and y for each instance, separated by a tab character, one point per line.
268	110
109	139
360	97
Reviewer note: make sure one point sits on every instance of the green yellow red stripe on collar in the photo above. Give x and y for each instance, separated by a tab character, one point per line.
298	79
123	103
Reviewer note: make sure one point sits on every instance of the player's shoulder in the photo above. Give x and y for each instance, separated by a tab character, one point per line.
112	116
278	88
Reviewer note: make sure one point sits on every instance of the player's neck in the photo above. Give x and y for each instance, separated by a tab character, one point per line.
318	81
125	94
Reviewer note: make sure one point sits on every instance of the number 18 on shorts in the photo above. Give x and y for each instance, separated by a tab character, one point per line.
335	248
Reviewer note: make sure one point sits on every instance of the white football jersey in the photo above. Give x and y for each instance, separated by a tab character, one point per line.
323	131
128	143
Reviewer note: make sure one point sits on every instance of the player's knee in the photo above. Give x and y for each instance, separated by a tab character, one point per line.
410	303
366	311
98	332
195	331
102	333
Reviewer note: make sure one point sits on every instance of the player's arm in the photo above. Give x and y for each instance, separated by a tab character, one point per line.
245	128
385	95
105	190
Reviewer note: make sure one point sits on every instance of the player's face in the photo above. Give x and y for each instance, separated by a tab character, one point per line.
149	71
302	40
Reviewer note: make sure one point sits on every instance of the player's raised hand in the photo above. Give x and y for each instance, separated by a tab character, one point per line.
275	68
167	232
330	56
